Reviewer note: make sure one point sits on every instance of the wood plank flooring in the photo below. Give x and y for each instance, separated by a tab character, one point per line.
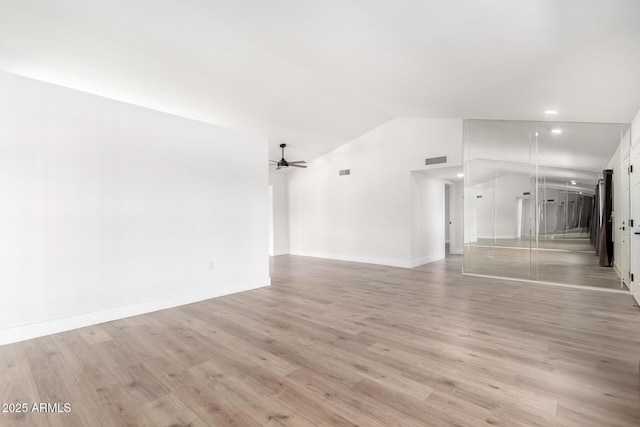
342	344
561	261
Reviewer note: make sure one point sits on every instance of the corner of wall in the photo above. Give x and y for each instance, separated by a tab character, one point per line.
427	260
281	252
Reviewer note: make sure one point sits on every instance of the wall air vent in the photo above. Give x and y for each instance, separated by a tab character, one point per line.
435	160
345	172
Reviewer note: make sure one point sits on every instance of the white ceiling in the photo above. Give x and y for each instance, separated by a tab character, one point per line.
315	74
584	146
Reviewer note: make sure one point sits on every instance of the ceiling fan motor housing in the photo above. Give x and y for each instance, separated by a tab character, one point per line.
284	164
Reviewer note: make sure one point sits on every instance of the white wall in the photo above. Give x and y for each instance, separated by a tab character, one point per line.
366	216
110	210
497	213
427	219
482	205
280	214
457	217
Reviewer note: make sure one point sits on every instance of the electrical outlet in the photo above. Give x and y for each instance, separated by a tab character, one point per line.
212	265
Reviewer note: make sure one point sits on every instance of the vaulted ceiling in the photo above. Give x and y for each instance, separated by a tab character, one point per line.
317	73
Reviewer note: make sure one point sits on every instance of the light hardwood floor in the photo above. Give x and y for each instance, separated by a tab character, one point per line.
564	261
342	344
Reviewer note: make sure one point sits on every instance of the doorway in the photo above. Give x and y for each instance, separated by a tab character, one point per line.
271	245
447	219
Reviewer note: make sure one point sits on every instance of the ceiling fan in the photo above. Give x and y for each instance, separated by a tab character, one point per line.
285	164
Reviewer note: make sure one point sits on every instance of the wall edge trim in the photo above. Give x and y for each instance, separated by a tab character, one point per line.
354	258
62	324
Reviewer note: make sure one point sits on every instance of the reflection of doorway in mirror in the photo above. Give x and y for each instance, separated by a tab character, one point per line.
526	220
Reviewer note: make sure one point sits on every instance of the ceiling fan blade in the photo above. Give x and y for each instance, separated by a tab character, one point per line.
297	166
298	161
273	161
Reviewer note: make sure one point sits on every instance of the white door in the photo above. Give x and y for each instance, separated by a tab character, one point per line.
635	216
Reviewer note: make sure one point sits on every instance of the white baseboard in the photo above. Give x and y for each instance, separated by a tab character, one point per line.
426	260
635	291
504	236
355	258
616	268
53	326
276	253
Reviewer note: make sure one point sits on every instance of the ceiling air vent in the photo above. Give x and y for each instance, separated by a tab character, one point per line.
435	160
345	172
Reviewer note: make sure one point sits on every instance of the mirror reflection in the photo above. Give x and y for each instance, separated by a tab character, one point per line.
537	205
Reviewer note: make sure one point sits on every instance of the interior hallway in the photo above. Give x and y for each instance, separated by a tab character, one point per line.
340	343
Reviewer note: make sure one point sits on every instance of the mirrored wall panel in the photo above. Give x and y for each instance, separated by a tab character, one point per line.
539	201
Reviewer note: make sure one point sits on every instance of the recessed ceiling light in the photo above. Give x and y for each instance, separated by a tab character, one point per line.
460	175
573	183
556	131
551	112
